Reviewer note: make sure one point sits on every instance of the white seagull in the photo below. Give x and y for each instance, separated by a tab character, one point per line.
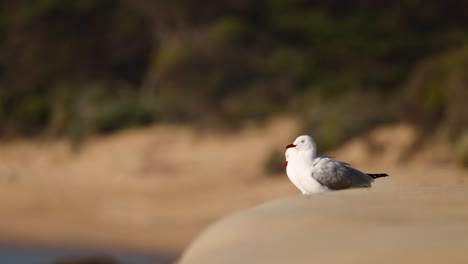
311	173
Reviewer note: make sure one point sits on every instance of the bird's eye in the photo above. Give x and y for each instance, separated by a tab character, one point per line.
302	141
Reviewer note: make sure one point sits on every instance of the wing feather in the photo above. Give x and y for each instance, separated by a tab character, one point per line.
337	175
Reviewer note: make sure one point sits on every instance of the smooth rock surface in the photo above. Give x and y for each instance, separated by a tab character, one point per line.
416	224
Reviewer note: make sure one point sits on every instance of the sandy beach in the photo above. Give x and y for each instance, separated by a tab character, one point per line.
156	188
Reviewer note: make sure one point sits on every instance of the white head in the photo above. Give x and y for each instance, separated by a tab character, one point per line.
303	143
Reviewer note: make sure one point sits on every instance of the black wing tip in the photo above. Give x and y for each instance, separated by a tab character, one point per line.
377	175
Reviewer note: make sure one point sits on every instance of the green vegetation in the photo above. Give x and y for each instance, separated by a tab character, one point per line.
274	164
438	91
81	67
463	150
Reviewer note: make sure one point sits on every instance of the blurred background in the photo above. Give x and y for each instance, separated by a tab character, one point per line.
134	124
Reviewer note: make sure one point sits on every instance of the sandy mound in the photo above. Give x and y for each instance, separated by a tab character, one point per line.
383	225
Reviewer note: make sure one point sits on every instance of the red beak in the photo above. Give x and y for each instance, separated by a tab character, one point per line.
290	146
285	163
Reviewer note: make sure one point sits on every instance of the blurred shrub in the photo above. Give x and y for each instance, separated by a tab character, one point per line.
274	164
437	92
462	149
212	80
331	123
103	107
229	29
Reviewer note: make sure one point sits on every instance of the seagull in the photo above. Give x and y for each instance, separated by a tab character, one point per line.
312	174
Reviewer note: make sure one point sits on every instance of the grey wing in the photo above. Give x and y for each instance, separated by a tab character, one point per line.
337	175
